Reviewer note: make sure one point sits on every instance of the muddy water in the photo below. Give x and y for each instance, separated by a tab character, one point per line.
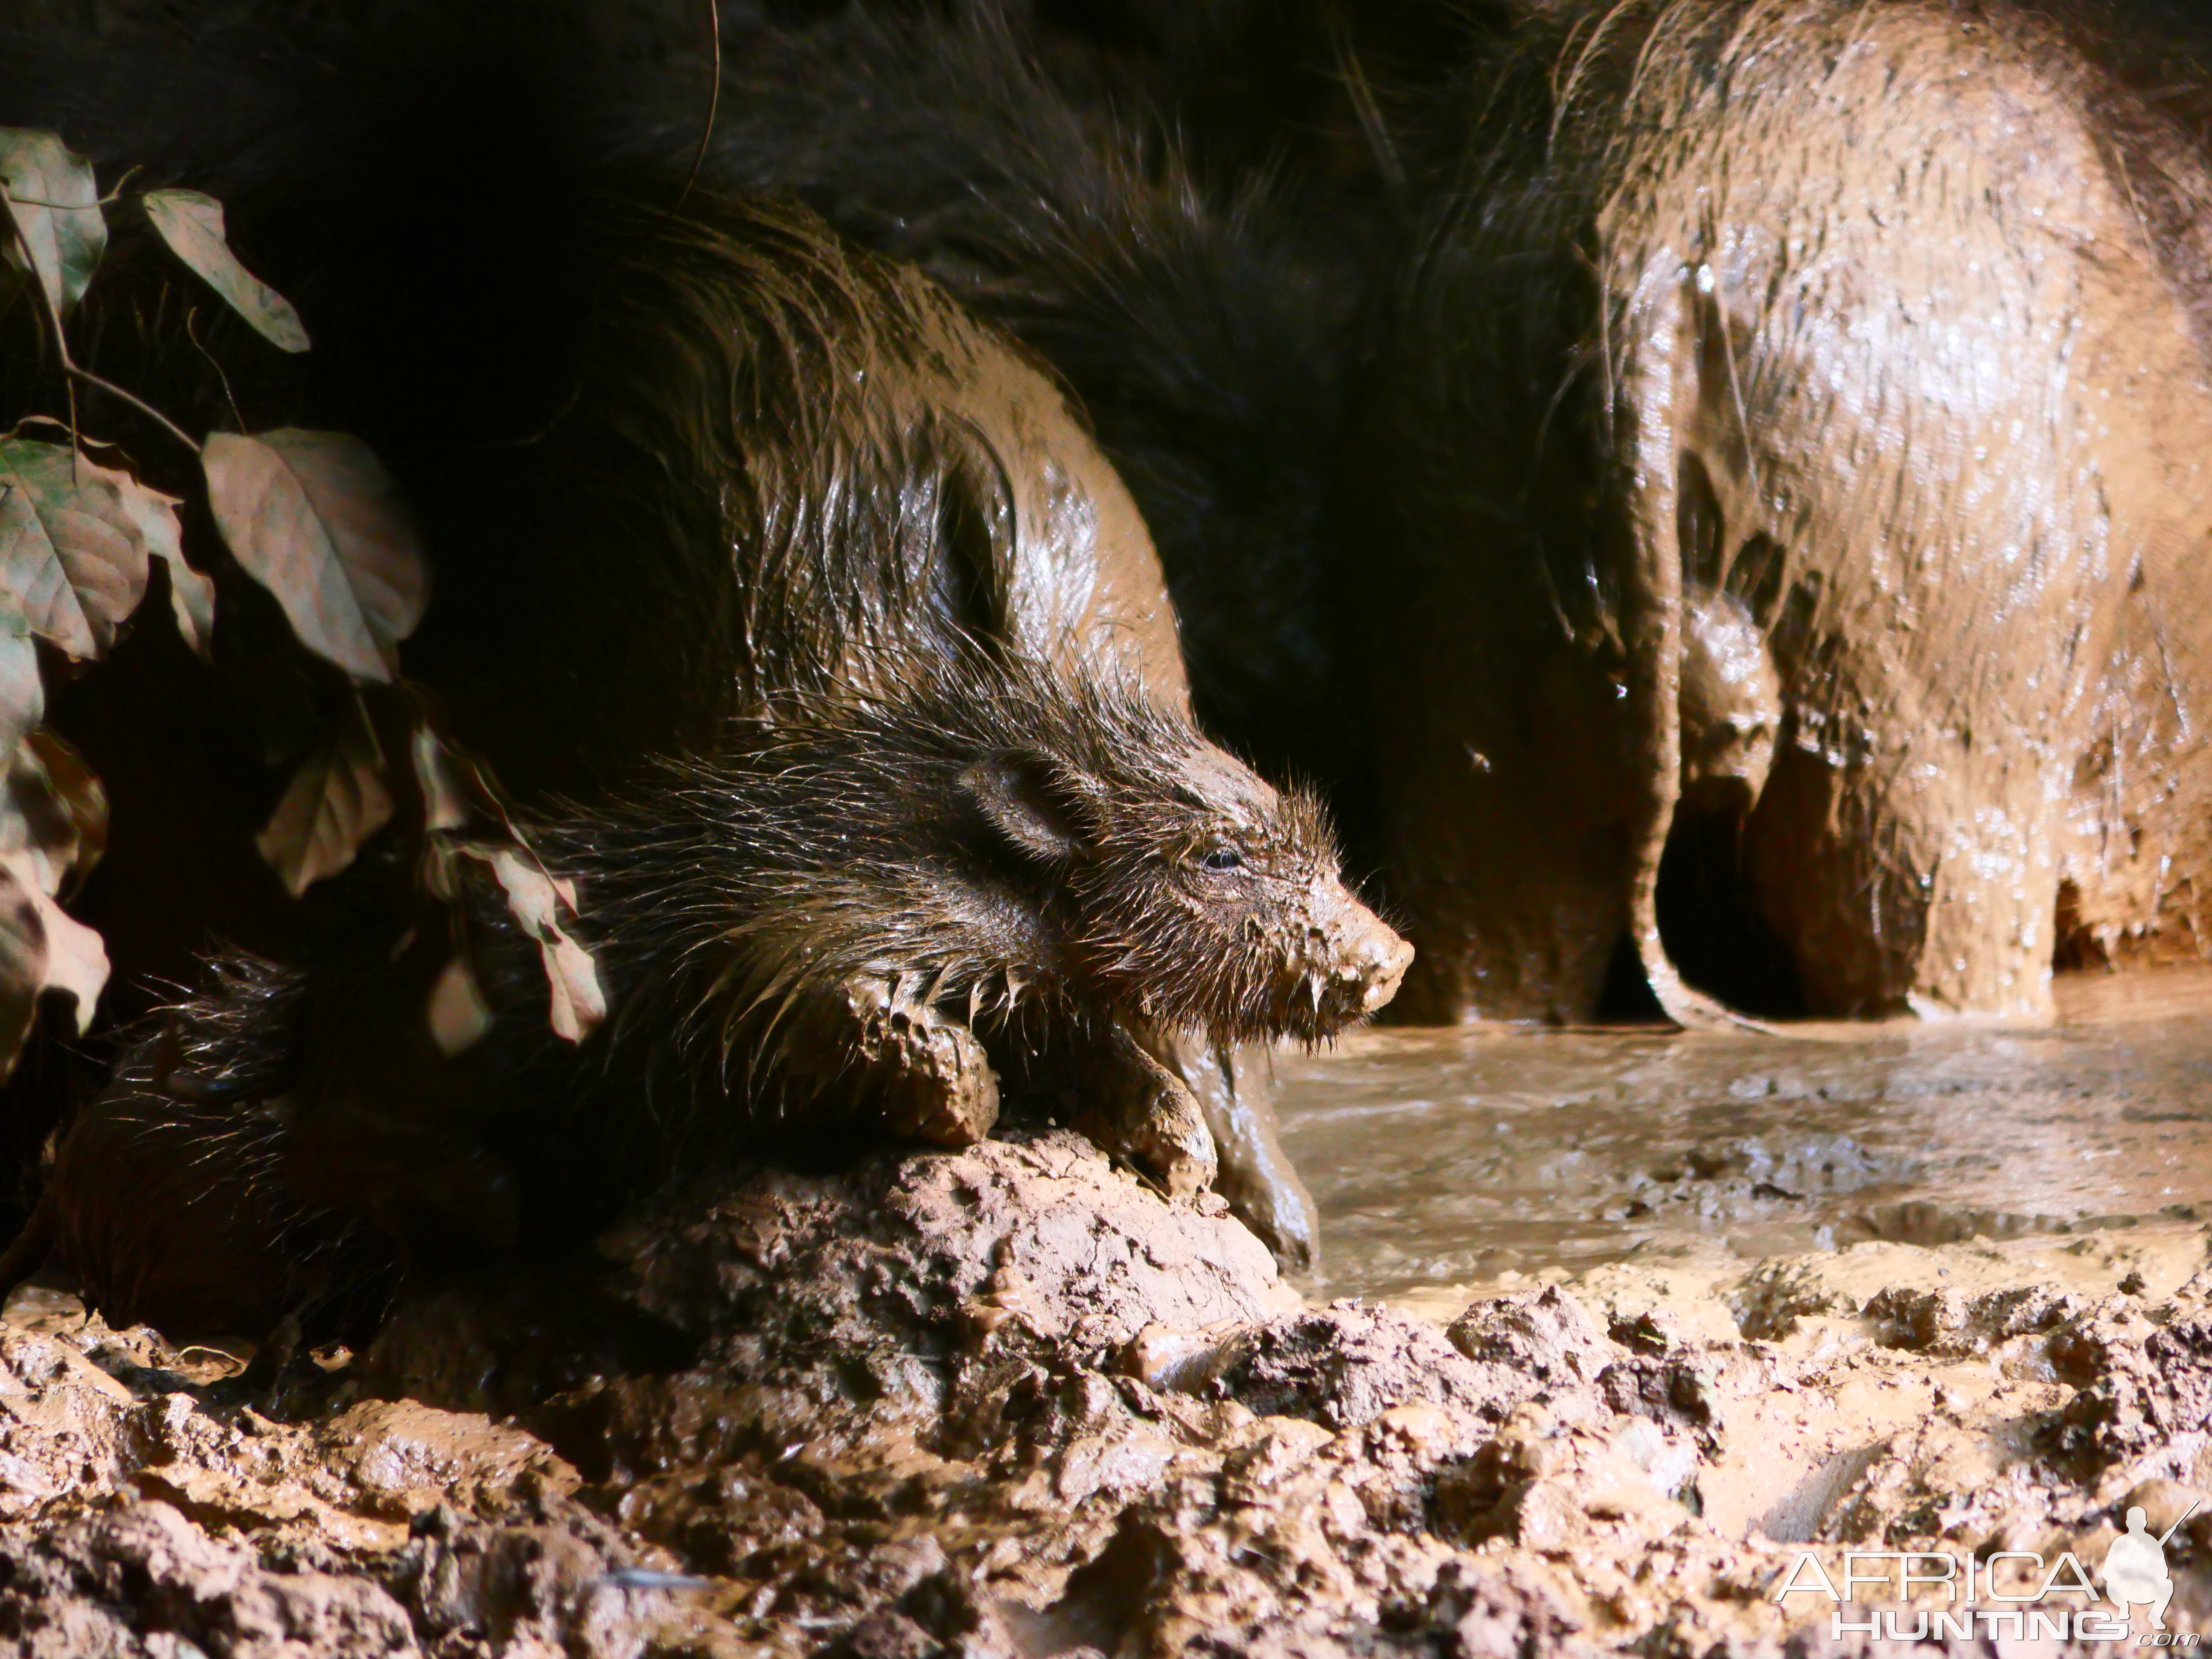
1475	1156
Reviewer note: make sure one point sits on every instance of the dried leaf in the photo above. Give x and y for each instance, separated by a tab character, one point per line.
459	1015
335	801
191	600
57	811
42	948
445	802
312	517
23	693
64	955
53	825
74	537
192	595
192	224
22	964
535	899
55	206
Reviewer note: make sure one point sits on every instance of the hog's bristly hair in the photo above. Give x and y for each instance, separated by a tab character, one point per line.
841	838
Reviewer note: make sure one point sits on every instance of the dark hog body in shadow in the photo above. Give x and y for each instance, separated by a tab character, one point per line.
1791	443
993	888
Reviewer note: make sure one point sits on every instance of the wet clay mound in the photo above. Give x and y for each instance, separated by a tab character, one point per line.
1009	1402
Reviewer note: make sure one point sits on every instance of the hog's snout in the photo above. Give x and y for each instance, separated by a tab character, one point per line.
1372	960
1364	960
1379	962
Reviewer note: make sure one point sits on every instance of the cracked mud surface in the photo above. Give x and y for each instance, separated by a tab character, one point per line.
1007	1401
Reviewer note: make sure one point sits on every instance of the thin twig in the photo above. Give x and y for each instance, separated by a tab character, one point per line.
72	373
714	103
191	317
50	325
134	400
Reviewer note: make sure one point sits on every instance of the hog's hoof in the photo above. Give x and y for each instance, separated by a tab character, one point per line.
1138	1110
930	1073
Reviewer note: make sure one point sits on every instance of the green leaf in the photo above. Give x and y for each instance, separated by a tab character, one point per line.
55	206
192	224
314	518
74	537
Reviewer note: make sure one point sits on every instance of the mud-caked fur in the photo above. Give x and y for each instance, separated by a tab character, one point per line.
1015	850
1024	869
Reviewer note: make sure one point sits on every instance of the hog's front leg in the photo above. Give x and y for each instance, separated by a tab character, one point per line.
1237	1096
1135	1108
926	1070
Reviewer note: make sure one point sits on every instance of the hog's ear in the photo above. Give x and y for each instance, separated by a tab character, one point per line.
1026	798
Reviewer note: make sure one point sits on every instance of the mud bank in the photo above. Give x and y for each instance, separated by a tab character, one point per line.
1009	1402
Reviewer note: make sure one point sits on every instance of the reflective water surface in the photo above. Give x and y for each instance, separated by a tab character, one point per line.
1471	1156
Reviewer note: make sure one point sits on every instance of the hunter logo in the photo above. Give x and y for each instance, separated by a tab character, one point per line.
2134	1569
2016	1595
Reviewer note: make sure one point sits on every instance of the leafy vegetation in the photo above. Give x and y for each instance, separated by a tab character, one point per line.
312	517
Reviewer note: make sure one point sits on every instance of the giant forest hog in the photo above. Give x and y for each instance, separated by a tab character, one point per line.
901	911
1799	410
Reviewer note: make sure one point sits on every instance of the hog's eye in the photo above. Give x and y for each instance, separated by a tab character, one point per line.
1223	858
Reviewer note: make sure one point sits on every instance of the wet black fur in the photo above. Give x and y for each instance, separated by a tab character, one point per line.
1198	283
1026	854
667	462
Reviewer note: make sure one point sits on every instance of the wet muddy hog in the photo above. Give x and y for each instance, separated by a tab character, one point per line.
994	886
676	450
1798	421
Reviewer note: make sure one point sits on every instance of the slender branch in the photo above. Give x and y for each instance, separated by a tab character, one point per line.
714	103
72	373
50	327
192	318
134	400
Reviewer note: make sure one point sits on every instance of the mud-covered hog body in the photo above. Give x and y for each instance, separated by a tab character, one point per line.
1869	339
1176	208
991	889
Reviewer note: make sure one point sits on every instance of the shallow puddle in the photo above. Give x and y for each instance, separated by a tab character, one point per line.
1466	1157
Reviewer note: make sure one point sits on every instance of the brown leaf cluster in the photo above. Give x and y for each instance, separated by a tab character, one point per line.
311	517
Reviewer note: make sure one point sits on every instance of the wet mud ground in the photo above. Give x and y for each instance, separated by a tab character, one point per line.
1450	1161
1585	1385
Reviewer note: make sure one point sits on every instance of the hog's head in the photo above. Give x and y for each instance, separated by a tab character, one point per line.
1190	891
